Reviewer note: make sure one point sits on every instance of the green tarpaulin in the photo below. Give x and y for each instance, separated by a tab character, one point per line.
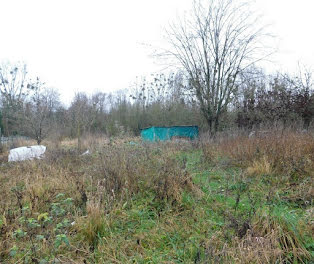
167	133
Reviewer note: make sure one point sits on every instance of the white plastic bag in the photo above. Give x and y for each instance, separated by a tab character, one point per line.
26	153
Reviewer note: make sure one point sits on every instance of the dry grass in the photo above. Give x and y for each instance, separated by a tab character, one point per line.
286	160
260	167
131	202
286	153
97	183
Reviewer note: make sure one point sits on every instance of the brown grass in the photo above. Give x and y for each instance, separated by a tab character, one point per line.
287	153
153	178
97	183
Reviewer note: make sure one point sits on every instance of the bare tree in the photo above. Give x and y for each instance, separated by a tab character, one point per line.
218	41
13	90
38	111
81	116
98	110
304	95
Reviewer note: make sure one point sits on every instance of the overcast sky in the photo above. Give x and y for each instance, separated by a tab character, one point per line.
100	45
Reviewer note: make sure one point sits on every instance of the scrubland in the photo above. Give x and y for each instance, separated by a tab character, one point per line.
232	199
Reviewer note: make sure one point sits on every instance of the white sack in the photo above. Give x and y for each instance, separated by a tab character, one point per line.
26	153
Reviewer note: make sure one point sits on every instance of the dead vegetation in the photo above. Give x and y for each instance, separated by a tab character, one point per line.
242	200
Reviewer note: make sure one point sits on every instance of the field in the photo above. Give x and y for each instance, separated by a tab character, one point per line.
234	199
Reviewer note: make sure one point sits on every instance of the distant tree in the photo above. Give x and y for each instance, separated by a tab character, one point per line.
13	91
283	99
304	94
81	116
218	41
251	82
38	111
161	100
98	111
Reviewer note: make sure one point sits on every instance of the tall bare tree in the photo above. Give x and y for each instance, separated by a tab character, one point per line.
214	44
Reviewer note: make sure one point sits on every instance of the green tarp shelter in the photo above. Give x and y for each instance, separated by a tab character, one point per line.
167	133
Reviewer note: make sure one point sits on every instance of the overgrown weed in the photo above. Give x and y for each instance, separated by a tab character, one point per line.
285	153
161	203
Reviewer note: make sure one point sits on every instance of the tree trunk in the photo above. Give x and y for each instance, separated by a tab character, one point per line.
79	138
210	124
306	122
216	124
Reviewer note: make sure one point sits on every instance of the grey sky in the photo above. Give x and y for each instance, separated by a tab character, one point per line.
96	45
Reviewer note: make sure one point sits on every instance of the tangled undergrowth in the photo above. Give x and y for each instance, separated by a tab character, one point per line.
242	200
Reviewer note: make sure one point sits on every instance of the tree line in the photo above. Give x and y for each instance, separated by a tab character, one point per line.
31	109
214	84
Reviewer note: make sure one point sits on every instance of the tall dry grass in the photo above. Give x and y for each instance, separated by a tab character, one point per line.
288	153
105	183
97	183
